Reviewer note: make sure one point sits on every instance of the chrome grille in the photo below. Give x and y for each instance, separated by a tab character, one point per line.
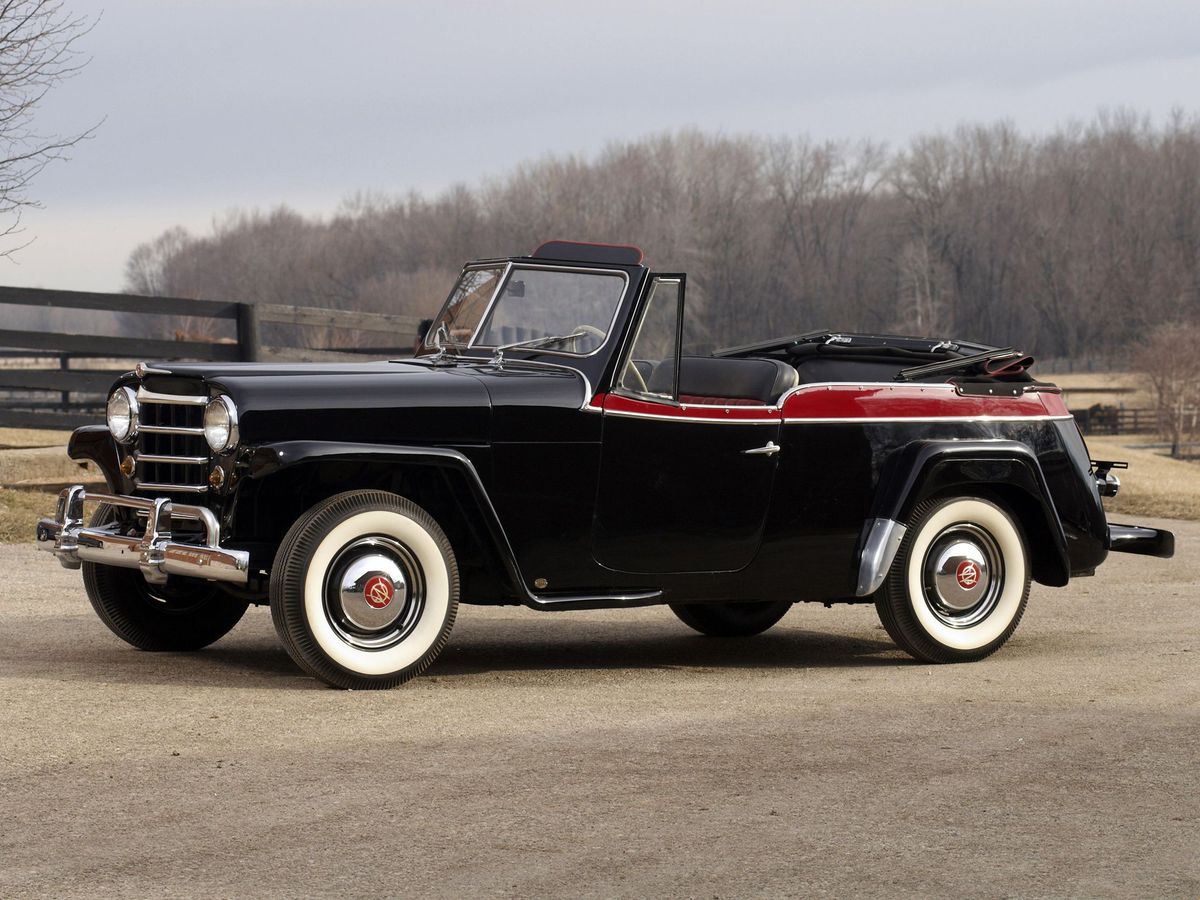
171	454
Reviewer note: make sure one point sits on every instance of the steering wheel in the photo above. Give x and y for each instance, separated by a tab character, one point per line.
630	368
586	329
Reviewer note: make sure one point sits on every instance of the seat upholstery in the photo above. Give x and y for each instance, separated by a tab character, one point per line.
764	380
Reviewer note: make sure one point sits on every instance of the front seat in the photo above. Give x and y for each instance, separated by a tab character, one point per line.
763	380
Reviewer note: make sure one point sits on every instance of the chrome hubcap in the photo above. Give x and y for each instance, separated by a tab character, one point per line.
962	575
374	592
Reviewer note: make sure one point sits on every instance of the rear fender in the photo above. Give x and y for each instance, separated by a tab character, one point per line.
1009	471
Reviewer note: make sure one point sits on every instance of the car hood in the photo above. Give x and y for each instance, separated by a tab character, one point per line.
376	402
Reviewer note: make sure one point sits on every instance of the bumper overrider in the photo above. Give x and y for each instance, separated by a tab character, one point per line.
153	551
1141	540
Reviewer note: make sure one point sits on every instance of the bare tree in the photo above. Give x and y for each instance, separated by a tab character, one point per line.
1073	244
38	50
1171	364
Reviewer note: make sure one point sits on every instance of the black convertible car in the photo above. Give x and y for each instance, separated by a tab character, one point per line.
551	446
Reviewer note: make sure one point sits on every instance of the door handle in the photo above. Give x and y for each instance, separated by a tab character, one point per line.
769	450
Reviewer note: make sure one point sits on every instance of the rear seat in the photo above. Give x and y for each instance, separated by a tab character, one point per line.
706	379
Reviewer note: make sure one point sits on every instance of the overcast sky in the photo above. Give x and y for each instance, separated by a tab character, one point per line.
213	105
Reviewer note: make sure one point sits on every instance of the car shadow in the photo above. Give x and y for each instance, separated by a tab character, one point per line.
256	659
792	649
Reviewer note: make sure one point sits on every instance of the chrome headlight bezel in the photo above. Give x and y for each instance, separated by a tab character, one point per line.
221	424
122	404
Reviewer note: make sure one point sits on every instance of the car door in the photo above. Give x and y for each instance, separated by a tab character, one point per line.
683	487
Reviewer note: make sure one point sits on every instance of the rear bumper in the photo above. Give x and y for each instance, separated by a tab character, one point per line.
1145	541
153	550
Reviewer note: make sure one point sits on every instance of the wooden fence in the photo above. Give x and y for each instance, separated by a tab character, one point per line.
1119	420
41	385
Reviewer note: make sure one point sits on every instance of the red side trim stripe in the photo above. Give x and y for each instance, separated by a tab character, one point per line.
838	401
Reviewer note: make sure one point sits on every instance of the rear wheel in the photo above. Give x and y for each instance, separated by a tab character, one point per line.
182	614
364	590
959	584
731	619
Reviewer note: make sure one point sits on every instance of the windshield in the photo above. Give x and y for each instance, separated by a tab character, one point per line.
466	306
534	304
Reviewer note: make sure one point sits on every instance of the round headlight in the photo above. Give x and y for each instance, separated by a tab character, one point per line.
122	413
220	424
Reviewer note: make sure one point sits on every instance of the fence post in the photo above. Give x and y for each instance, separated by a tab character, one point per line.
64	363
248	337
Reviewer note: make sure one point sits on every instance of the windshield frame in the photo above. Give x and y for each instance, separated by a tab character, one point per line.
430	341
512	267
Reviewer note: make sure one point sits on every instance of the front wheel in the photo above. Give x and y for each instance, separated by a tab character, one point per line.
182	614
959	584
364	590
731	619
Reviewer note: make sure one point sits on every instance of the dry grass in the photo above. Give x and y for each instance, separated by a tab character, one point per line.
1154	485
42	457
1083	389
19	512
32	437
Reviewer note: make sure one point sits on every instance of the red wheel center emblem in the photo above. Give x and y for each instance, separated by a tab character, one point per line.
967	574
378	592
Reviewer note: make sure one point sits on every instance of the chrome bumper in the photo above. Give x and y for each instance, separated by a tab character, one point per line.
153	551
1141	540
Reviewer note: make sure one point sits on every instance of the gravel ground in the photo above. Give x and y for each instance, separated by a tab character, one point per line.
613	754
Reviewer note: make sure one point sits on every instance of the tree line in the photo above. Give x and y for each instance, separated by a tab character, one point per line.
1073	244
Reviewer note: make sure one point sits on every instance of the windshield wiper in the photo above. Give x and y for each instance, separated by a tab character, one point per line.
531	343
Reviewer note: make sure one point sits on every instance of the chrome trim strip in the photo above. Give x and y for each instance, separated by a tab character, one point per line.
594	601
883	540
182	460
171	429
863	385
154	552
173	488
875	420
172	399
686	419
765	407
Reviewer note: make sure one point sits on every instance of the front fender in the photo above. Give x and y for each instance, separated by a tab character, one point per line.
267	460
95	443
270	459
1008	469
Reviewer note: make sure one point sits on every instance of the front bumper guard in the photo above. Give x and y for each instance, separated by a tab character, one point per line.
153	551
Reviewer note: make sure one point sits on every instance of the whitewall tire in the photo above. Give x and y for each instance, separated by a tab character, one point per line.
364	590
960	581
